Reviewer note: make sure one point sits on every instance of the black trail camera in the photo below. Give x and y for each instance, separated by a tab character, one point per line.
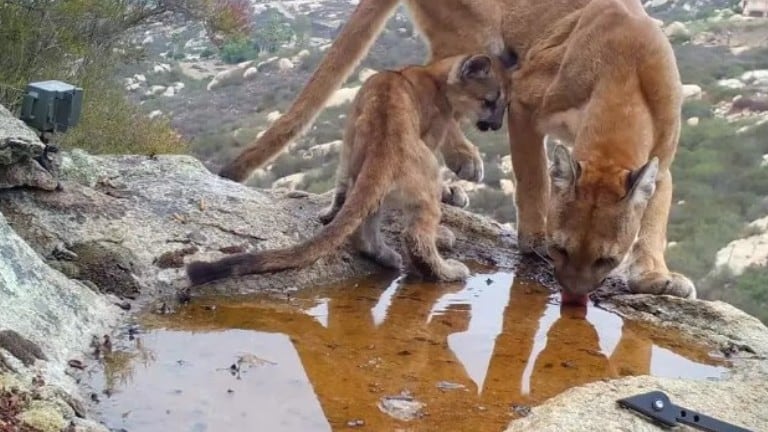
51	106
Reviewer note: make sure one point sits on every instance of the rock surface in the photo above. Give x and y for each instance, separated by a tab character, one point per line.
19	147
127	224
45	319
746	252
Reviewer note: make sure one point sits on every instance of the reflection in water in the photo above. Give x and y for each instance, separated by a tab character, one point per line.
332	354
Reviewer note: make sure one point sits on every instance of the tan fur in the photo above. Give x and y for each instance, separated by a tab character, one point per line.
396	123
598	73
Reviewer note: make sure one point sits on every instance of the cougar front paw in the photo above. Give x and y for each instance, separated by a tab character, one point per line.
660	283
455	196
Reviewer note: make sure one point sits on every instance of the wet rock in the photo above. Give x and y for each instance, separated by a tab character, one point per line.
402	407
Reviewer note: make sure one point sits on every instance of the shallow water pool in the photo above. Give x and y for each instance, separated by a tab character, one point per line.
375	355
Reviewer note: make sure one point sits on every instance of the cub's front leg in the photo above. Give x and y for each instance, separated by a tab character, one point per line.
460	155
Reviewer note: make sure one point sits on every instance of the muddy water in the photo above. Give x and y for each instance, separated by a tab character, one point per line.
460	357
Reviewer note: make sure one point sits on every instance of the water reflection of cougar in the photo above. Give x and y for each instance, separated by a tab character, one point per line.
598	74
396	122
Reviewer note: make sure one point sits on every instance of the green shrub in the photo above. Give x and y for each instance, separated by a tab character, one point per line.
238	50
111	124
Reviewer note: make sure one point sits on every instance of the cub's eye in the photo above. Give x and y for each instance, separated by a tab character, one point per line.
606	262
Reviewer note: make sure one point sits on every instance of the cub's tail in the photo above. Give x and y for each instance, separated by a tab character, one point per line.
352	44
368	191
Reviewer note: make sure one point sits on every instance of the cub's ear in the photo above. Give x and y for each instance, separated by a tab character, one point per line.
475	67
641	183
564	171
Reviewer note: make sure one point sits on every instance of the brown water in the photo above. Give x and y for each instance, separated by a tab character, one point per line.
475	354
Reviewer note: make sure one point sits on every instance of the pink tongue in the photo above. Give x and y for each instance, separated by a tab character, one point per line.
574	299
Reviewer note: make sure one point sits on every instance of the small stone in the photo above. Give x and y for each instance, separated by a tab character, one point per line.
521	410
77	364
297	194
123	305
402	407
447	385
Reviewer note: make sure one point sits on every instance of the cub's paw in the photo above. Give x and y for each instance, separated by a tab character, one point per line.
445	238
453	270
659	283
455	196
387	257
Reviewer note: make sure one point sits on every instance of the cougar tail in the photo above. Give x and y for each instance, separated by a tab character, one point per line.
368	191
352	44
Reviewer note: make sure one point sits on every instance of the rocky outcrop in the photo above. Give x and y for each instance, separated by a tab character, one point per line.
20	154
743	253
138	219
46	319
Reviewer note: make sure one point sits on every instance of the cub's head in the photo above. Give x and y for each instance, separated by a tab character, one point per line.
593	219
475	90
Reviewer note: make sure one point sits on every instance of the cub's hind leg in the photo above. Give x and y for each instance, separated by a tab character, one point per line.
369	242
339	196
421	192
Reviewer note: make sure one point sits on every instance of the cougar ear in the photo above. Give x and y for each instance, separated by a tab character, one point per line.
475	67
564	171
641	183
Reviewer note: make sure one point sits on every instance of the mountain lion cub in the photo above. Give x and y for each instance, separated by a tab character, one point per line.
397	121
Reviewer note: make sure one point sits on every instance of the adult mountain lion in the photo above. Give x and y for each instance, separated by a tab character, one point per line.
597	74
397	121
